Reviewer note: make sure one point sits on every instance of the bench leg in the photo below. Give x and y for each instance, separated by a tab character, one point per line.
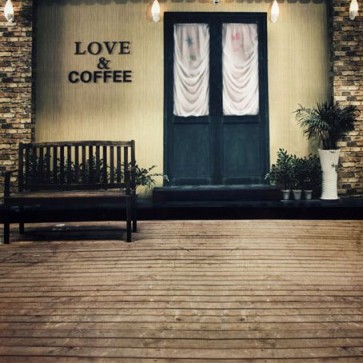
128	220
21	228
134	216
6	233
21	224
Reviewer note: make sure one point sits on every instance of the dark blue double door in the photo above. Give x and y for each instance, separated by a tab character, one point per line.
215	149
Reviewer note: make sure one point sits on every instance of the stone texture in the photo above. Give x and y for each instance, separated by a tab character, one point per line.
16	103
346	84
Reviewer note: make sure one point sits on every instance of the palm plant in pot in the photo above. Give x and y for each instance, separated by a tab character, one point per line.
327	122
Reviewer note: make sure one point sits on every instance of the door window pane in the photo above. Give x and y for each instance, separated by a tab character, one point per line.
191	69
240	69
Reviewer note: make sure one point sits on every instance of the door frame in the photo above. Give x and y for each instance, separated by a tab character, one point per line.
170	18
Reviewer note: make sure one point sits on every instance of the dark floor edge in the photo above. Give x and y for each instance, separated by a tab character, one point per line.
347	208
344	208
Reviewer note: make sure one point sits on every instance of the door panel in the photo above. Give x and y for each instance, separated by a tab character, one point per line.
192	154
216	149
241	154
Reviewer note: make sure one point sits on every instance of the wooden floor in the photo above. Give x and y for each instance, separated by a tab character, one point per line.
185	291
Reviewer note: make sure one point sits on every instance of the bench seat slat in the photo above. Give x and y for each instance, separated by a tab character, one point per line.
69	194
69	198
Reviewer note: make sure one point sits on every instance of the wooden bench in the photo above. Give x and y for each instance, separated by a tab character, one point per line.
83	174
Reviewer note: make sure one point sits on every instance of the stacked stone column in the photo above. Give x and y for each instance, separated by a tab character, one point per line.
347	87
16	83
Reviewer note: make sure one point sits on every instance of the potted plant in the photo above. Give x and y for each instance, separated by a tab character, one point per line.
298	176
311	176
145	176
281	173
327	122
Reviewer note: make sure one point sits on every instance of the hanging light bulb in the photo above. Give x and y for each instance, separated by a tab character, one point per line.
353	9
9	11
275	11
155	11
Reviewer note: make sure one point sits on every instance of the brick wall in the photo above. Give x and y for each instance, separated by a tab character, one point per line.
347	86
16	115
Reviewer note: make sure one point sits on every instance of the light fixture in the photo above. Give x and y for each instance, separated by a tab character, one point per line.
155	11
275	11
353	9
9	11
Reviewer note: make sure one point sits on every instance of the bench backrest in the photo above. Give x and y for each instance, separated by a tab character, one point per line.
77	165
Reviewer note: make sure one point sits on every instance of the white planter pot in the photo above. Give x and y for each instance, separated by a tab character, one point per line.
285	194
297	194
329	160
308	194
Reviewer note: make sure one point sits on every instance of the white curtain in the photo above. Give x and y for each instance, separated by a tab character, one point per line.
191	69
240	69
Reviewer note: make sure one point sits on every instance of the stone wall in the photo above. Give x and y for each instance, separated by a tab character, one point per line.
16	115
347	86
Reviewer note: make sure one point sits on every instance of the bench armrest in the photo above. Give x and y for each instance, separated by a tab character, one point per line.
7	175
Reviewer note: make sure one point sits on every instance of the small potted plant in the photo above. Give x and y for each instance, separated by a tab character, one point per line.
298	176
281	173
312	175
328	122
144	177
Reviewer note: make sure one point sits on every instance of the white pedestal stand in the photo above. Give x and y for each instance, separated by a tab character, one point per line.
329	160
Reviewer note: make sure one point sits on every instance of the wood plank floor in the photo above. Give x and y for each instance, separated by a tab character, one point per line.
184	291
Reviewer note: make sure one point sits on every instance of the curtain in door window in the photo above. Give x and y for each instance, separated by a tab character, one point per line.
240	69
191	70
